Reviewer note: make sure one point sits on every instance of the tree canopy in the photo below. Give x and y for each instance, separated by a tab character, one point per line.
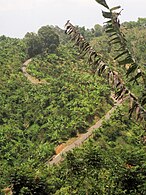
45	41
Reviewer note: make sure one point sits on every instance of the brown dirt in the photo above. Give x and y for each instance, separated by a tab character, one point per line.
32	79
59	148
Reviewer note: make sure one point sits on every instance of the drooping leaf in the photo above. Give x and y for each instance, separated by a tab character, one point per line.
126	61
118	93
132	109
92	56
111	30
109	26
115	42
101	69
121	54
107	14
84	46
108	22
99	66
138	112
132	68
97	61
143	101
114	8
70	31
135	77
102	2
113	39
113	34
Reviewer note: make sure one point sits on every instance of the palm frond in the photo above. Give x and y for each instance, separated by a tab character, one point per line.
102	2
99	67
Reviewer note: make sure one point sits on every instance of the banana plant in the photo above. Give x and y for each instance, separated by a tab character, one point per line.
123	55
102	69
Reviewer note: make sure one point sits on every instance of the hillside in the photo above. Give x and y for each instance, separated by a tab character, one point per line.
64	101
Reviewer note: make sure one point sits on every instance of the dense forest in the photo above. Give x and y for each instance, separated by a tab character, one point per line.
66	97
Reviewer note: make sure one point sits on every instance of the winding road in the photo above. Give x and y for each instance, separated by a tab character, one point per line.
83	137
32	79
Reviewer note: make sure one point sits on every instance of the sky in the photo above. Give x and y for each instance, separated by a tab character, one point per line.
17	17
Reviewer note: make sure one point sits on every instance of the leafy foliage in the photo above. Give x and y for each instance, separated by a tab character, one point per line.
112	162
102	2
45	41
101	68
124	56
36	118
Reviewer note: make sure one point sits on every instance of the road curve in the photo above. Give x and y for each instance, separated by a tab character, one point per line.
32	79
59	157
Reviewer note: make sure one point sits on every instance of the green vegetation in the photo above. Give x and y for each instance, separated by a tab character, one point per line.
112	162
34	119
45	41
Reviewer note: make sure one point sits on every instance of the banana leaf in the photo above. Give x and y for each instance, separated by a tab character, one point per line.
114	8
126	61
121	54
143	102
108	22
107	14
111	30
132	69
113	34
102	2
113	39
136	77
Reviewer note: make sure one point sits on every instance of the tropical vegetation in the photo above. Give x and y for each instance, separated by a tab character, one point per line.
80	71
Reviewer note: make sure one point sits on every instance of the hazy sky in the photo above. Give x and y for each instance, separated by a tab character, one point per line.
17	17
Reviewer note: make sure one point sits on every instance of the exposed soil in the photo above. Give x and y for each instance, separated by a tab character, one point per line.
32	79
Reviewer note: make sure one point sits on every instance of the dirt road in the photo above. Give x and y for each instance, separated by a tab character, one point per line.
59	157
32	79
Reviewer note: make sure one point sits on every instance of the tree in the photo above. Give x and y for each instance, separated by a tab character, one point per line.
49	39
33	43
97	30
46	41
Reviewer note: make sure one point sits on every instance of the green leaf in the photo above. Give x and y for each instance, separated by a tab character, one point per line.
125	61
132	69
113	34
109	26
108	22
121	54
114	8
113	39
111	30
143	101
132	110
107	14
119	92
102	2
135	77
115	42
